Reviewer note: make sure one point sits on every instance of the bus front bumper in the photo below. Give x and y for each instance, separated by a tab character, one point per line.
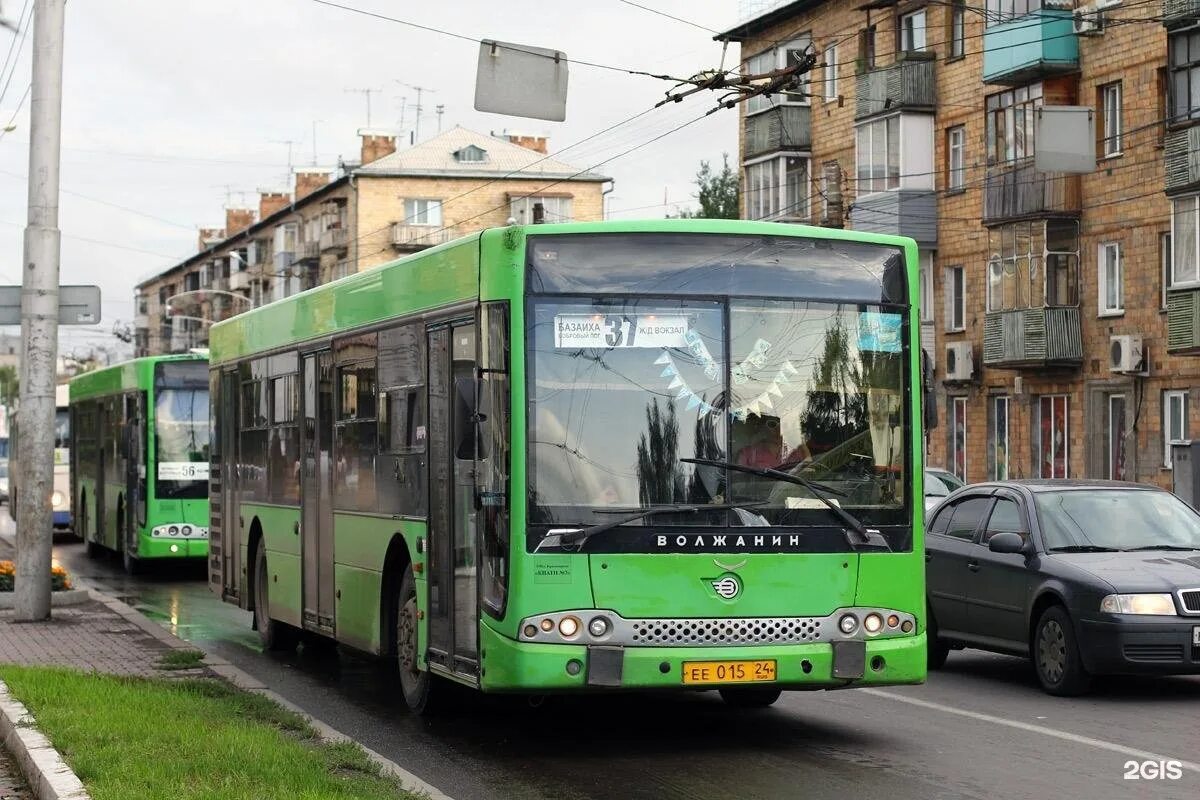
511	666
160	543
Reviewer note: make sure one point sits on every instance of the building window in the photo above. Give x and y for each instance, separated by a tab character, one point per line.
998	438
553	209
1115	445
831	72
1018	253
1164	262
866	48
1110	102
774	59
777	188
956	299
912	31
958	437
1052	447
1112	283
1185	258
471	155
878	155
956	159
1174	422
422	212
1010	124
958	28
1184	65
1001	11
925	269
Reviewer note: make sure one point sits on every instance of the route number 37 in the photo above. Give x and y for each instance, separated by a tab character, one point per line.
1153	770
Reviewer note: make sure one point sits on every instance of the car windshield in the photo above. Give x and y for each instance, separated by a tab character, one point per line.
622	389
1122	519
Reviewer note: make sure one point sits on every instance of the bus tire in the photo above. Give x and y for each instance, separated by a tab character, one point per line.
420	688
275	635
747	697
937	650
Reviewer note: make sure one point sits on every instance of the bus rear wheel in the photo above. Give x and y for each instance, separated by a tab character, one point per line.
758	697
421	691
273	634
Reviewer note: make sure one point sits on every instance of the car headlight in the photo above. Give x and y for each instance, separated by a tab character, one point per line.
1157	604
56	499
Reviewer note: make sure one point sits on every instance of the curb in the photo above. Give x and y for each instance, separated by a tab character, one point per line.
66	597
48	775
244	680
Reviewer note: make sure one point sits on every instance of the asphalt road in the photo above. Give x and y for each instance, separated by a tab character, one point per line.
981	728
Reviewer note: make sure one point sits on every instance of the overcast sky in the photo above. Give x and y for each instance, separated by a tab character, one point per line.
170	105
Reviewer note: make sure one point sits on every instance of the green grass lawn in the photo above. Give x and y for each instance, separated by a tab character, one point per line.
134	738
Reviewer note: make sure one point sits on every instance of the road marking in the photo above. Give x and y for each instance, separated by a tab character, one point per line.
1144	755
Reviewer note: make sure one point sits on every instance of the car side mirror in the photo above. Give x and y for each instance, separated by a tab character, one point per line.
1006	542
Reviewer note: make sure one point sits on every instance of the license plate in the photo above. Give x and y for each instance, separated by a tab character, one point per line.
1196	635
701	672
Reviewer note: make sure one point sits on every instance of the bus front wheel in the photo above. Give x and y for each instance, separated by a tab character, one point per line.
420	688
132	564
273	634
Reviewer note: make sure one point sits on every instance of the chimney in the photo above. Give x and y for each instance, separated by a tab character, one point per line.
209	237
309	182
270	202
376	145
537	144
237	220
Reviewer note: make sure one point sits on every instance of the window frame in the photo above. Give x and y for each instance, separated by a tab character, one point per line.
1182	395
925	278
909	34
430	203
1113	424
956	175
761	103
1111	129
1188	70
999	12
1066	431
957	35
956	298
957	407
830	73
890	178
1164	266
994	403
777	181
1001	112
1106	252
1177	252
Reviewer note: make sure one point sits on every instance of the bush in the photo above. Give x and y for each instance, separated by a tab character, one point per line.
59	580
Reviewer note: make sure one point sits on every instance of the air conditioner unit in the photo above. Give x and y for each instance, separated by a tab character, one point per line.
1126	354
1088	21
960	362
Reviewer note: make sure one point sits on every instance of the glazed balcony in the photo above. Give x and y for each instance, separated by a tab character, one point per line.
1040	44
1033	338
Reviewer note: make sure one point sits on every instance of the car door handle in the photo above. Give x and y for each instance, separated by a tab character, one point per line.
973	566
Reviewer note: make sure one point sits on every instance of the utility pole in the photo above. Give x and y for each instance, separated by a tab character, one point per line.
367	94
39	319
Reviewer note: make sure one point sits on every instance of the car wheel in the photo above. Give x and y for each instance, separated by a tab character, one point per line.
937	650
1056	655
759	697
422	692
273	634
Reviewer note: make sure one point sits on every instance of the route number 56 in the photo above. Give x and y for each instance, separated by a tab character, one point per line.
1153	770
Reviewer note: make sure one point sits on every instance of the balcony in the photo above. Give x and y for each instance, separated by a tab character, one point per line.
1037	45
239	280
418	237
908	84
1033	337
1179	11
1183	321
1017	191
308	251
335	239
781	128
1182	157
902	212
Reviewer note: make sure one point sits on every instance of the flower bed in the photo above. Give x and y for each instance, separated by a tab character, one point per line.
59	580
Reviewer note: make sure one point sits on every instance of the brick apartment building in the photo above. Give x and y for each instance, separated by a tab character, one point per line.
389	204
920	120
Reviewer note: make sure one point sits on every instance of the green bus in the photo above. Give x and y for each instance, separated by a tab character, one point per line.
680	454
139	452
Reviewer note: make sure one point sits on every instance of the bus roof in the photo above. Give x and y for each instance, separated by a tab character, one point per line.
449	274
133	374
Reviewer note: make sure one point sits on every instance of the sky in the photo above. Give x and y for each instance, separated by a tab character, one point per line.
173	110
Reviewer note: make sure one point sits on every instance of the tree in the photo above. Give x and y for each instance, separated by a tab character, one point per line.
718	193
660	480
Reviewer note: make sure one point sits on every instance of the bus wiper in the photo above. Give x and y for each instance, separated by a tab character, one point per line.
857	534
557	537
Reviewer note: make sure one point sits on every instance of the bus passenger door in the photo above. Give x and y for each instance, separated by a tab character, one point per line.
135	460
316	538
228	508
453	594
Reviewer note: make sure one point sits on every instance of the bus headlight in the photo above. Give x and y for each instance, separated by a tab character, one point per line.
173	530
568	627
598	627
186	530
873	623
56	498
848	624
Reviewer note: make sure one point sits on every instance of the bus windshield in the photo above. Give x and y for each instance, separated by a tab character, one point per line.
62	428
622	389
181	431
